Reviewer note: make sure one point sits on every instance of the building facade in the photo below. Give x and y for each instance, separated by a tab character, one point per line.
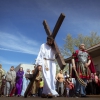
25	67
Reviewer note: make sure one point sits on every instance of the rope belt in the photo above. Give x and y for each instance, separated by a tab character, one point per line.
50	59
46	65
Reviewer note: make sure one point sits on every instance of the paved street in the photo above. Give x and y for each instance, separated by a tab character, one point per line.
90	97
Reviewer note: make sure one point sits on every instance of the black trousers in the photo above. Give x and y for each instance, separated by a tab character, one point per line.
40	91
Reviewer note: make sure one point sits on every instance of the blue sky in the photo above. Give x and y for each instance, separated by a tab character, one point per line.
22	31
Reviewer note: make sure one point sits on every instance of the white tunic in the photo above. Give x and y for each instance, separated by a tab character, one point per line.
49	76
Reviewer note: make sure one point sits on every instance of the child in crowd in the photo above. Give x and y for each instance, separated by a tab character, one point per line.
69	87
40	89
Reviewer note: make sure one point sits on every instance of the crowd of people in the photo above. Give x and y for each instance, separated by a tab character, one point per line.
15	83
82	80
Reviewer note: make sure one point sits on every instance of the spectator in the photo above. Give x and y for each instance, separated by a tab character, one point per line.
10	81
60	83
71	88
66	83
19	81
40	89
25	82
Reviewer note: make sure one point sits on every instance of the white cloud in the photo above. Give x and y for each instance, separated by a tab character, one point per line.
18	43
6	64
5	61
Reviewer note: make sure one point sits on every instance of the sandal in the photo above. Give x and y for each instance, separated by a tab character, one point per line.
49	96
43	96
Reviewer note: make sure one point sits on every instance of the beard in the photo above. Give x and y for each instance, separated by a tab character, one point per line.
50	44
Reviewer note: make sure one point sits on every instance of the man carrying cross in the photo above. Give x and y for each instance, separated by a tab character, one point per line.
46	58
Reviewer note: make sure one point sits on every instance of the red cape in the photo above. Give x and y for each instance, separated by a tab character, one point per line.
91	66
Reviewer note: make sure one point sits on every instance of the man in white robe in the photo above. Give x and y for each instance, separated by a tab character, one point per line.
46	58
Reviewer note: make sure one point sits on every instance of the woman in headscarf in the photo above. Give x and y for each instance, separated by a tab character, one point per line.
25	82
19	81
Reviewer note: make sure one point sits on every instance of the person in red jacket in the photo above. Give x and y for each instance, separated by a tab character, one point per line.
82	63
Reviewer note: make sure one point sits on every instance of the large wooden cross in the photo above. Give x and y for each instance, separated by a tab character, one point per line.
58	56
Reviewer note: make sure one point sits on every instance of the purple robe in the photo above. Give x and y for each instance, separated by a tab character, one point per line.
19	82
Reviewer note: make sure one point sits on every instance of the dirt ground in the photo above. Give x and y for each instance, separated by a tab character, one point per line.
89	97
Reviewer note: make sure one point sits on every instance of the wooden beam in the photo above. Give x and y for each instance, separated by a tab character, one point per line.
58	24
59	58
29	87
46	27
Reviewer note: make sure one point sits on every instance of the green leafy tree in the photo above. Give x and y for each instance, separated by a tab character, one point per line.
72	43
68	47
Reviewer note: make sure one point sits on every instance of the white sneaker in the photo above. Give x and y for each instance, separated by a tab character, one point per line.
34	95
